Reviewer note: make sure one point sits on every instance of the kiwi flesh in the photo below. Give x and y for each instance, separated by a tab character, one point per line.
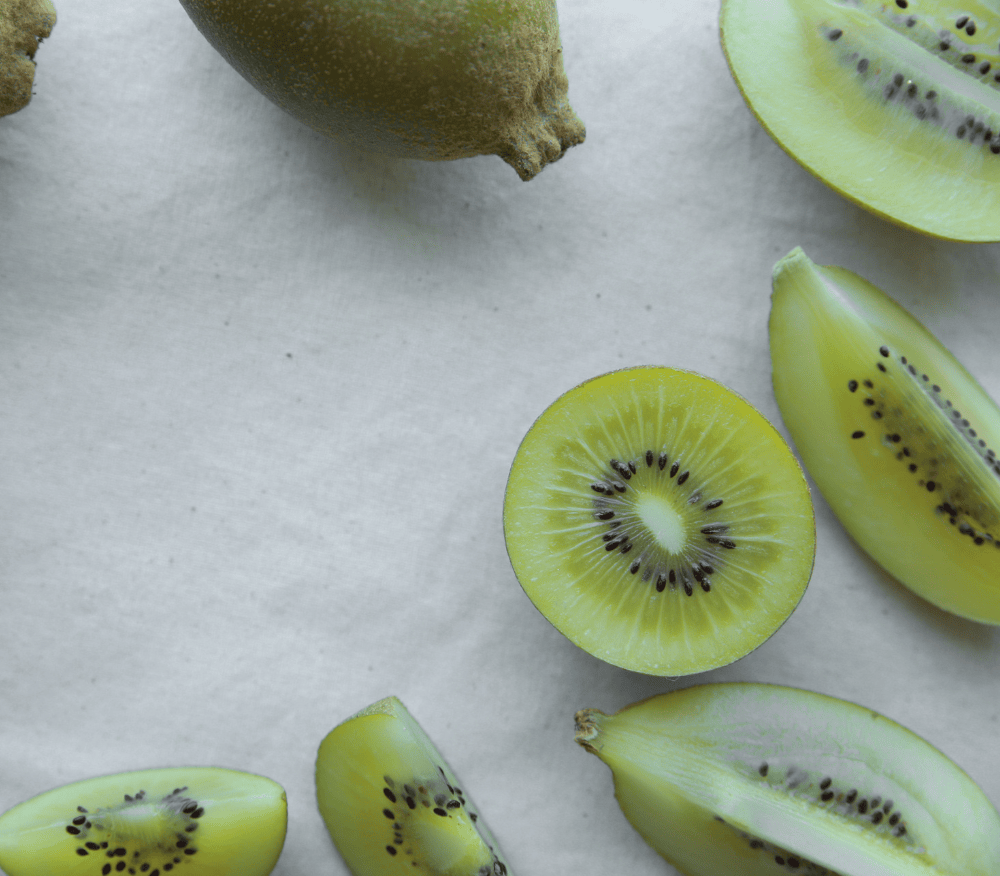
749	779
23	25
196	821
659	521
900	439
895	104
431	80
392	804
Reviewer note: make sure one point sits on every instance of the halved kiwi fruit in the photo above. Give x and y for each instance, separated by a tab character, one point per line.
900	439
761	780
896	104
659	521
196	821
393	805
431	80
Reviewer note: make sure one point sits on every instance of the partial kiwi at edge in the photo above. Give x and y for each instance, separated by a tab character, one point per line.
900	439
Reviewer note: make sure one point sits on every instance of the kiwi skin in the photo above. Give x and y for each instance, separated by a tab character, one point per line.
762	780
609	451
435	81
900	439
23	25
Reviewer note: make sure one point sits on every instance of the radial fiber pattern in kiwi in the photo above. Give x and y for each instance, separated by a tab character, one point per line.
659	521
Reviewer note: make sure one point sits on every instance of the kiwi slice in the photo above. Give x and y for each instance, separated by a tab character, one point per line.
762	780
898	436
393	805
436	81
659	521
196	821
893	103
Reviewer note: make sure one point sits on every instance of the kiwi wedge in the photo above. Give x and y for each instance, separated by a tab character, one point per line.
900	439
393	805
431	80
896	105
659	521
196	821
762	780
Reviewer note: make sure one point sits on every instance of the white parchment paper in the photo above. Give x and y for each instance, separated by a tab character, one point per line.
259	394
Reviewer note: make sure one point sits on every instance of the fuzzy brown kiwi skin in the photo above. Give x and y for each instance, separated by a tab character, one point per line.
898	436
431	81
23	25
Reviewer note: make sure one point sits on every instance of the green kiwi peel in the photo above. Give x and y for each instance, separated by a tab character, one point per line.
435	81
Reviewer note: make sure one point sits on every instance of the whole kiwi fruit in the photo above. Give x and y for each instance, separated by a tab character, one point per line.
659	521
764	780
900	439
435	79
896	104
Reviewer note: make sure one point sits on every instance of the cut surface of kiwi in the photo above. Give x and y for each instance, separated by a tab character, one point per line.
436	81
900	439
896	105
392	804
195	821
749	779
659	521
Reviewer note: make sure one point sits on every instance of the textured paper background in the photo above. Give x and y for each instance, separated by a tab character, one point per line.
259	394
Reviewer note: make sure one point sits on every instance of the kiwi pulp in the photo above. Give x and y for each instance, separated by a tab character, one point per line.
659	521
900	439
763	780
196	821
392	804
896	105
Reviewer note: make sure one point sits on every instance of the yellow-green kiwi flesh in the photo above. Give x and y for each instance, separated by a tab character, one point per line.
745	779
392	804
432	80
900	439
195	821
23	25
659	521
893	103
